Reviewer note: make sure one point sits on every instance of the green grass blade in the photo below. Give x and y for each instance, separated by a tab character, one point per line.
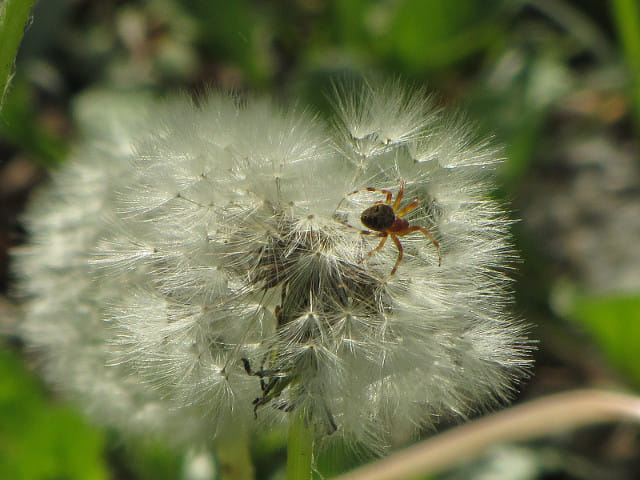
626	15
13	18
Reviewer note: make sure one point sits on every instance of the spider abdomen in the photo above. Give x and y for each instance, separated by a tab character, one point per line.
379	217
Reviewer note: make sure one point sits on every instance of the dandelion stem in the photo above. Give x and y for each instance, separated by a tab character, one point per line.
13	18
300	448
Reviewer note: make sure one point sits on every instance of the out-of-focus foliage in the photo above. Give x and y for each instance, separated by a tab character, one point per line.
614	324
147	461
517	92
417	36
39	440
29	130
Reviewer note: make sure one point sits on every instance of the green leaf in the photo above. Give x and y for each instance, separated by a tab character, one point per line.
614	323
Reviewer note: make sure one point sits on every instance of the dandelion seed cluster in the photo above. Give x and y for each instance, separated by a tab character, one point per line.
196	266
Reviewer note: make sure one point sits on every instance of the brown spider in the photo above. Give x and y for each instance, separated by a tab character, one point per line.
386	221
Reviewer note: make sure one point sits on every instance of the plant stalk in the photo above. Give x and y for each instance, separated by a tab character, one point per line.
531	420
300	448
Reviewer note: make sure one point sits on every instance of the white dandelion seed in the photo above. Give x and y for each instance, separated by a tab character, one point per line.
218	269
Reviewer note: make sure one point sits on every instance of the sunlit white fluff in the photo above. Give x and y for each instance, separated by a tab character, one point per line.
204	243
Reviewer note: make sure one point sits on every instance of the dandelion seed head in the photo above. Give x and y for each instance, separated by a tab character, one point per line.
220	270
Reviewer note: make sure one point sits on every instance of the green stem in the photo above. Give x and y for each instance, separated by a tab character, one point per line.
13	18
626	15
300	448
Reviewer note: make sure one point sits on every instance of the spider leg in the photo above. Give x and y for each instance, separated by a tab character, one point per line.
408	208
388	193
396	240
380	245
429	236
396	204
364	232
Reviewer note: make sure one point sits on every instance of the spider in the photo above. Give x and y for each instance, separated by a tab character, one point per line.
385	220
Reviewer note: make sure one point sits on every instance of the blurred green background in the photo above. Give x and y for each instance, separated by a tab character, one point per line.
556	81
